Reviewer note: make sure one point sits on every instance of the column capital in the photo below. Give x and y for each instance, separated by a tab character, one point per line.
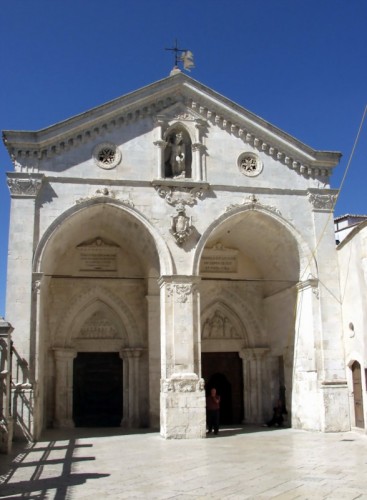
22	185
37	282
178	279
322	201
64	353
254	353
310	283
131	352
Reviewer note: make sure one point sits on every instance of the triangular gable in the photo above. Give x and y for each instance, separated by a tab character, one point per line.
177	96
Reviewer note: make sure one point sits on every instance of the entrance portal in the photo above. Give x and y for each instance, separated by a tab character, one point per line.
97	389
223	370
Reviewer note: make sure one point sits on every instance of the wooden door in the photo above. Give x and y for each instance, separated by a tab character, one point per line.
97	389
358	395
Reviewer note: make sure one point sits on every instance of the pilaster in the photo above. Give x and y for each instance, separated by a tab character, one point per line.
331	370
253	364
131	386
154	350
24	189
182	389
64	387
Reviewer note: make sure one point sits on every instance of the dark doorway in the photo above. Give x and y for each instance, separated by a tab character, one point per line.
358	395
97	389
223	370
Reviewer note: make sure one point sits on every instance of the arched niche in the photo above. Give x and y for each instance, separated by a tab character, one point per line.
178	153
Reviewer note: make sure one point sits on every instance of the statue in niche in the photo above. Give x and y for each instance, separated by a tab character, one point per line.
178	155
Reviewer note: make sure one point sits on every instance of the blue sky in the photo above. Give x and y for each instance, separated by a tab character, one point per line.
300	64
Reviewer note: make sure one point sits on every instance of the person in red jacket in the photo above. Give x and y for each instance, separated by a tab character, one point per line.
212	411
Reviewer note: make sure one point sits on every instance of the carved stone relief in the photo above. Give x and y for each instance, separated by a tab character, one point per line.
253	202
175	195
219	326
98	327
324	202
181	227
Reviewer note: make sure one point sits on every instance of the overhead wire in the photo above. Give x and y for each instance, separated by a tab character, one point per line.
299	298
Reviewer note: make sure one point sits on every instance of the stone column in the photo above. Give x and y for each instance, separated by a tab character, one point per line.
160	123
24	188
331	374
131	386
182	389
36	372
64	387
306	360
253	369
198	149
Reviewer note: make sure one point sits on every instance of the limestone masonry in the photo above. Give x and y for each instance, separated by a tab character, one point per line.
168	242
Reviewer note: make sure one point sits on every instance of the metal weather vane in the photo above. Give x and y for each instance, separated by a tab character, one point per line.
184	56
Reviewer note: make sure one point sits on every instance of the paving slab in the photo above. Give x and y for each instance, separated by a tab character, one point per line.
245	462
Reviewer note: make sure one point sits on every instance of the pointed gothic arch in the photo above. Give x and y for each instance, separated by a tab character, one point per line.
80	308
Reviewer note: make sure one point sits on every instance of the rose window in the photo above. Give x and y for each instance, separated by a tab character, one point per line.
249	164
106	155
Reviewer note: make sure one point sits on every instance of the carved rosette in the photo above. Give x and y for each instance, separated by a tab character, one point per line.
24	186
322	202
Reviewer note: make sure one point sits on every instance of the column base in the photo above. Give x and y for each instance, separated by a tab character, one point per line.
183	414
335	415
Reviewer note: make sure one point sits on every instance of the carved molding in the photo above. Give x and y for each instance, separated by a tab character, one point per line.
252	202
104	193
24	156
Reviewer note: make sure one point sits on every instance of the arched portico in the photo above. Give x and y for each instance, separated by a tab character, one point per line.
98	265
259	266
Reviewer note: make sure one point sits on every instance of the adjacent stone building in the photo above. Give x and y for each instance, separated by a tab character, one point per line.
164	243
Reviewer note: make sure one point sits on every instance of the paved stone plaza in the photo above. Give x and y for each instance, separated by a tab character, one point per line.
249	462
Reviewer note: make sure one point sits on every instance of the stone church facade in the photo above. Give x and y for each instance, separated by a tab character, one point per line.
164	243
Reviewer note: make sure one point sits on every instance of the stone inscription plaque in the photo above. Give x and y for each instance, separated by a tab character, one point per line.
98	257
219	261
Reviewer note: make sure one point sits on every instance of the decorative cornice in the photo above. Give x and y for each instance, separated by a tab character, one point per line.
24	185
